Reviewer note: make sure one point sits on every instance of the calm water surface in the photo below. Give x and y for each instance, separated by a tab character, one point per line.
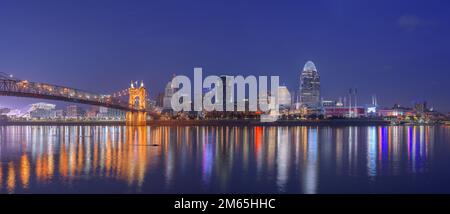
117	159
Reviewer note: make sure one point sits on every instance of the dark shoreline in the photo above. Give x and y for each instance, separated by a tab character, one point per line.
336	122
276	123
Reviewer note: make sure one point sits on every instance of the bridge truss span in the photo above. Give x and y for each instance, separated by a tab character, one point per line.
10	86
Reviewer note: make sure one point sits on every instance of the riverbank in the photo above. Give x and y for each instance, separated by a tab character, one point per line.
62	123
335	122
342	122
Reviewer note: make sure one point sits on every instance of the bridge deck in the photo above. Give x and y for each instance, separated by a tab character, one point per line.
23	88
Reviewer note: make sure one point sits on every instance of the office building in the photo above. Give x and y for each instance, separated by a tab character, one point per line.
310	86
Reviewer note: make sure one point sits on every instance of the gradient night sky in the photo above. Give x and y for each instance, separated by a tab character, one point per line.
399	50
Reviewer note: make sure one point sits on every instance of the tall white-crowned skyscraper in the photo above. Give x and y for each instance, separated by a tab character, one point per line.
310	85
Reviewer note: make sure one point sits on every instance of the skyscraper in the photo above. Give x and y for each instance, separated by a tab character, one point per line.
310	85
227	87
168	93
284	97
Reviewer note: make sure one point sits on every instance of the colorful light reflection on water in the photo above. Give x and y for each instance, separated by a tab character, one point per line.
118	159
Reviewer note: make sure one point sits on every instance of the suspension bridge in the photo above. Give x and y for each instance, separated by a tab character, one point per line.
135	106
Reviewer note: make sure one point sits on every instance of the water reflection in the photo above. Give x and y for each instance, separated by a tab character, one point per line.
372	150
208	159
311	164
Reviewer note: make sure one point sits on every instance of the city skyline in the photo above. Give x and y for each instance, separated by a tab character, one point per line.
398	51
224	104
305	75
